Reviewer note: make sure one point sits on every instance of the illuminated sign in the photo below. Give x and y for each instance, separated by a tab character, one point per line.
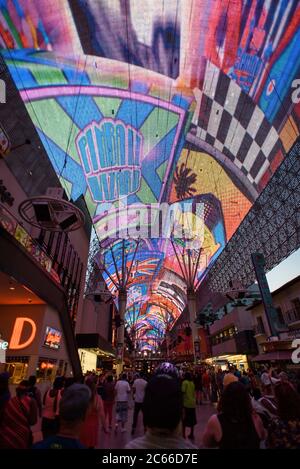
3	345
52	338
88	360
3	348
15	341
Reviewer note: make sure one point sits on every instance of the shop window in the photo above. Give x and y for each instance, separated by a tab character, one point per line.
17	367
296	304
260	325
60	370
46	369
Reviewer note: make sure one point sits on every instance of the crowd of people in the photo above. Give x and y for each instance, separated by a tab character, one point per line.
253	409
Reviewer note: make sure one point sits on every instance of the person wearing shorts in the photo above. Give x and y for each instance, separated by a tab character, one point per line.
122	393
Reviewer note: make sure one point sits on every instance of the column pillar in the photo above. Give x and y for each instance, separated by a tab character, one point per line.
122	301
192	308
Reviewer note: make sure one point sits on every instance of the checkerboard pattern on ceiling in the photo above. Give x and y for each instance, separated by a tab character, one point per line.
229	120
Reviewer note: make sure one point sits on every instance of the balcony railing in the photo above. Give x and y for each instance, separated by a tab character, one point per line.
258	329
291	316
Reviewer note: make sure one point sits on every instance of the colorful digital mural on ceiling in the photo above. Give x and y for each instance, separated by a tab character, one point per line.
161	111
38	24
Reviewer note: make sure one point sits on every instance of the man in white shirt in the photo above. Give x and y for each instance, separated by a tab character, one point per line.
139	386
122	392
267	379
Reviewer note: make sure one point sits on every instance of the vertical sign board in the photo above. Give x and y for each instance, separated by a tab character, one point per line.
3	348
258	261
120	351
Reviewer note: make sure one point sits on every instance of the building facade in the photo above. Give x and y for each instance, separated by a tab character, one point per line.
278	349
232	339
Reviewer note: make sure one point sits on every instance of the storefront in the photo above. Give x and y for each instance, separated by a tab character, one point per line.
95	353
280	358
224	361
32	340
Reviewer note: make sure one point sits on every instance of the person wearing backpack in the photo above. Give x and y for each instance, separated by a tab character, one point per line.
50	419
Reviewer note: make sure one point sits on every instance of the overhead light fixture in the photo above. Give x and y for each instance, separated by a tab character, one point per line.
52	212
12	288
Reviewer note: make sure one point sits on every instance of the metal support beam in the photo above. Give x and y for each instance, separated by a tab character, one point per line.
271	227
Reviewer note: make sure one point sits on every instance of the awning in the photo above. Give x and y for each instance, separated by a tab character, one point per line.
272	356
94	341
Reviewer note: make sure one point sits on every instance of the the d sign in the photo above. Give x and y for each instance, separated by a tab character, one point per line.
17	332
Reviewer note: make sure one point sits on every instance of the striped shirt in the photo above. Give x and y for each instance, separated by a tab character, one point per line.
15	430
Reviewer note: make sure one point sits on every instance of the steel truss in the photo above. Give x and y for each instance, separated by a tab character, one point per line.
271	227
93	274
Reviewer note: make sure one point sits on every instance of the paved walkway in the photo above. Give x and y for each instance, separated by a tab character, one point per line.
118	440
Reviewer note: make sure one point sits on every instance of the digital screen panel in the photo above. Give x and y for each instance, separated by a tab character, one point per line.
52	338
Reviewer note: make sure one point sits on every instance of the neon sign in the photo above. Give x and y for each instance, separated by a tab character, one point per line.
110	153
15	341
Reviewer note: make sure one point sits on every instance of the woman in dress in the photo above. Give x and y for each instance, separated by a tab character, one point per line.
94	416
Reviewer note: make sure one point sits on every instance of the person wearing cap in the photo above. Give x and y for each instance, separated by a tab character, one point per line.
19	413
162	411
72	411
169	369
